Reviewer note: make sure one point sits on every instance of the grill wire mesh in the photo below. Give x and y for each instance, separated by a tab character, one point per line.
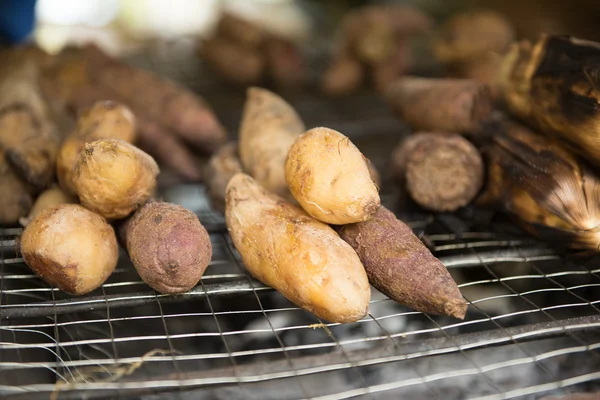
532	329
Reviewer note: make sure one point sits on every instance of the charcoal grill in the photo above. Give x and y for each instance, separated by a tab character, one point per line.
532	328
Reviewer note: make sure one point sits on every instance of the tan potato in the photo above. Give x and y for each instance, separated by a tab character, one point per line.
302	258
66	160
222	166
71	248
168	246
330	178
269	128
105	120
53	196
114	178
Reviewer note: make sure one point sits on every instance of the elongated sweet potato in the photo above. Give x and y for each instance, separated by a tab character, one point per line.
269	128
114	178
168	246
70	247
222	166
401	267
330	178
303	258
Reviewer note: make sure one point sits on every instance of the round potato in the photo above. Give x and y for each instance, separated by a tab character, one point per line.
330	178
70	247
168	246
114	178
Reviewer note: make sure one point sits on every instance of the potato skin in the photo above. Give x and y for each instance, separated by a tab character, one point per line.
70	247
401	267
269	128
222	166
113	177
168	246
105	120
302	258
330	178
50	197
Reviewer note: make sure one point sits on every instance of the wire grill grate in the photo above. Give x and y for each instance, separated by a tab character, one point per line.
532	327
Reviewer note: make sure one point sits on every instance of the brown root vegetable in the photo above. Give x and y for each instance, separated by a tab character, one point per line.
50	197
70	247
168	246
27	135
284	62
103	120
302	258
401	153
106	120
222	166
233	62
484	69
330	178
241	31
470	34
172	105
16	199
443	172
401	267
344	76
451	105
114	178
268	129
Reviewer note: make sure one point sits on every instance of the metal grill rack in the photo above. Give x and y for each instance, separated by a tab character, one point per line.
532	329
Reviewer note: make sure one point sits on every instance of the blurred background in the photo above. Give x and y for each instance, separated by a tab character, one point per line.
122	26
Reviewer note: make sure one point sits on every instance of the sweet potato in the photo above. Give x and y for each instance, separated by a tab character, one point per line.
233	62
172	105
330	178
222	166
450	105
27	135
113	177
401	267
268	129
168	246
50	197
16	199
443	172
103	120
70	247
302	258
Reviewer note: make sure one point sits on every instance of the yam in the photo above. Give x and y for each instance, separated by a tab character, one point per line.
443	172
222	166
284	63
401	267
344	75
70	247
168	246
268	129
330	178
302	258
450	105
114	178
233	62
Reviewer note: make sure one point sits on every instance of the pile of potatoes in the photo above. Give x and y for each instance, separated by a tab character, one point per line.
304	212
106	185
